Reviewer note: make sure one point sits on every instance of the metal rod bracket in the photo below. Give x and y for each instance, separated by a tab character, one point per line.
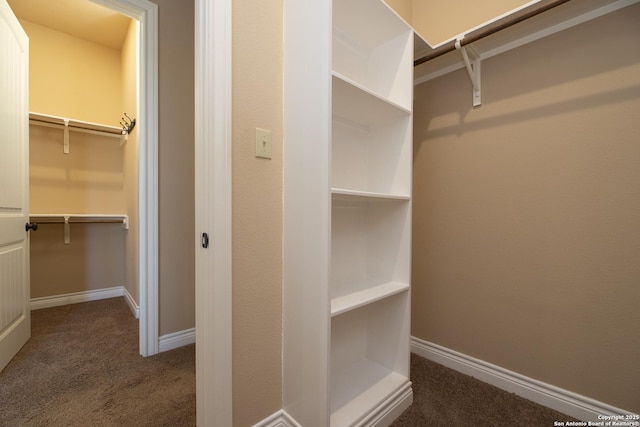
67	231
472	63
66	136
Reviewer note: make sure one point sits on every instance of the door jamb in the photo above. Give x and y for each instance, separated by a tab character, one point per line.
213	143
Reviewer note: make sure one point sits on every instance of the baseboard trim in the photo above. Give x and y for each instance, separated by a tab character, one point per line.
135	308
565	401
177	339
388	411
76	297
278	419
383	415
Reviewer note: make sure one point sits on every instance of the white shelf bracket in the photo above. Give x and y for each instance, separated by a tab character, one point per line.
66	136
67	231
473	69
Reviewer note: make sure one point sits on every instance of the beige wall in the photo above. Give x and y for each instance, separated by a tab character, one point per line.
73	78
257	211
93	260
67	75
526	228
176	162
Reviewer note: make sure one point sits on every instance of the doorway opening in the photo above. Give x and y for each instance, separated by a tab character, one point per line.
106	81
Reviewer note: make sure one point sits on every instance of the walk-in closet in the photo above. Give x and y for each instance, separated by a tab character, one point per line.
83	158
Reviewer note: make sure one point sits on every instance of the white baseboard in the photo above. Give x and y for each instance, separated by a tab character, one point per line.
279	419
384	415
565	401
76	297
392	408
135	308
177	339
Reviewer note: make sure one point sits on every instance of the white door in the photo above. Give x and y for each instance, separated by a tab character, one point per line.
15	317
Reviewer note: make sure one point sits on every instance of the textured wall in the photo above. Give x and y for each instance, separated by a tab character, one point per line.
526	228
257	211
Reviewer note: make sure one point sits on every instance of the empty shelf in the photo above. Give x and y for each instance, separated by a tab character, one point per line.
366	296
344	194
360	388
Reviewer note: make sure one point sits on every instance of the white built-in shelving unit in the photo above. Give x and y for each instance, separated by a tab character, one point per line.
347	212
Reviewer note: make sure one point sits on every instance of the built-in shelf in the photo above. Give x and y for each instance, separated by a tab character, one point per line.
361	388
369	360
366	296
349	272
356	103
355	195
373	48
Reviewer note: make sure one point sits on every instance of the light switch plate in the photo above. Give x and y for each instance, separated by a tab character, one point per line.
263	143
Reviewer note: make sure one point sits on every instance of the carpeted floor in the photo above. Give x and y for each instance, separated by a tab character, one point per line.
444	397
81	367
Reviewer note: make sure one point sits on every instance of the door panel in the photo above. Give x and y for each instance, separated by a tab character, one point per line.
15	317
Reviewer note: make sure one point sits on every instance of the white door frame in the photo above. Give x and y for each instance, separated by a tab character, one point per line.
147	14
213	212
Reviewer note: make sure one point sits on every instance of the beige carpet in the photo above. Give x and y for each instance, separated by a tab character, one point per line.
81	367
444	397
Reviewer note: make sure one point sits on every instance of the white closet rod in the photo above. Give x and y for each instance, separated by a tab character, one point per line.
81	220
68	219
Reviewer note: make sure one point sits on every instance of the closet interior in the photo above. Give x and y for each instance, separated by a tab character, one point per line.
83	158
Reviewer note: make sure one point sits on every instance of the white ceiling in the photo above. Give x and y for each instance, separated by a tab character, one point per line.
80	18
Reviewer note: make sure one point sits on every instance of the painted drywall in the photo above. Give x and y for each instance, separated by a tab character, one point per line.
73	78
93	260
257	211
129	61
526	229
176	164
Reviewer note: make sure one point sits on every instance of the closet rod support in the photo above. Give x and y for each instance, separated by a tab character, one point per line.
67	231
66	136
473	69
